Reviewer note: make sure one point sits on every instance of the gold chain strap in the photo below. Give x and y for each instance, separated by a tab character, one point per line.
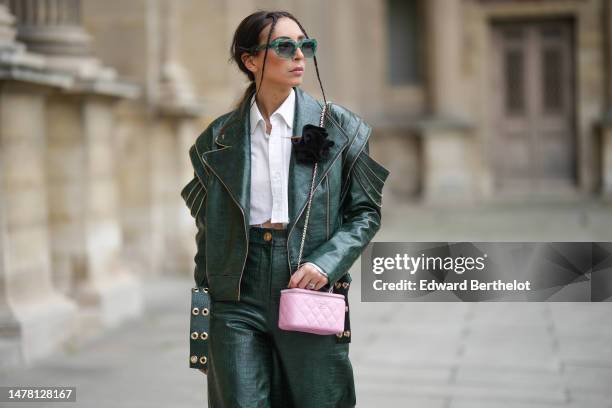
314	176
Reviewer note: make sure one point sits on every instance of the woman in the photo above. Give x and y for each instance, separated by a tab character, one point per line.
248	196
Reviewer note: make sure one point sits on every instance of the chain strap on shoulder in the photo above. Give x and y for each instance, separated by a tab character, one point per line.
314	176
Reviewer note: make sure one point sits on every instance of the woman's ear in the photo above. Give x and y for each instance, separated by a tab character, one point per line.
249	62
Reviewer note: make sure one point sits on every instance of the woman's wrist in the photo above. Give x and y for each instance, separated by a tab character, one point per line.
321	271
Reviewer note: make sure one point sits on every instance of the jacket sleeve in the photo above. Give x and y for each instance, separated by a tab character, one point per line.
361	218
194	195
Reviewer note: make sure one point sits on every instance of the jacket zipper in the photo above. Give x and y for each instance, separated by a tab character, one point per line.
327	212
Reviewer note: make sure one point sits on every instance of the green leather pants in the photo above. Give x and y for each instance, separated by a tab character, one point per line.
253	363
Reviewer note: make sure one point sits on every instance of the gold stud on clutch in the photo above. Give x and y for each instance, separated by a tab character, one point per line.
194	335
194	359
203	360
204	311
204	335
205	290
347	333
195	311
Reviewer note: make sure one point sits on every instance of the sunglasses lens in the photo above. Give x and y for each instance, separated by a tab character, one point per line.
286	49
309	48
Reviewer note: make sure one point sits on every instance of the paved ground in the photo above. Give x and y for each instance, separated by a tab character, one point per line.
422	355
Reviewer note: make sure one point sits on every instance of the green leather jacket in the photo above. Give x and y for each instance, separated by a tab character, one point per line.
346	206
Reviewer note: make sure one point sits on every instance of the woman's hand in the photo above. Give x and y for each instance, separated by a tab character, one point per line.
204	370
305	275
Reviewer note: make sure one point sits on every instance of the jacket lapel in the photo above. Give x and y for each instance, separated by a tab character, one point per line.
230	159
308	111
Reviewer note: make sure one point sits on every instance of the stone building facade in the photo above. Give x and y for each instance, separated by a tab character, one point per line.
470	101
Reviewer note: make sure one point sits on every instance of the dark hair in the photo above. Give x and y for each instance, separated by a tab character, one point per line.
246	37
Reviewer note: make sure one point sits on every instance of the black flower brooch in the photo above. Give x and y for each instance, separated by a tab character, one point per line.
313	146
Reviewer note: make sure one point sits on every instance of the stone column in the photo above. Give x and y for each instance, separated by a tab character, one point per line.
84	213
46	318
34	318
9	325
606	125
10	353
82	184
175	87
448	148
444	36
53	28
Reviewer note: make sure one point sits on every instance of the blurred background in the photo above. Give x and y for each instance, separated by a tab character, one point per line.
494	118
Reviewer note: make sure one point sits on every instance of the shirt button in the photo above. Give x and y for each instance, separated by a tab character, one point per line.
267	236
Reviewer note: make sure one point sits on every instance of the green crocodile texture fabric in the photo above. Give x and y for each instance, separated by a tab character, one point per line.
253	363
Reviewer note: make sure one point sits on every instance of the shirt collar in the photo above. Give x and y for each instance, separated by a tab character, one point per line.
285	110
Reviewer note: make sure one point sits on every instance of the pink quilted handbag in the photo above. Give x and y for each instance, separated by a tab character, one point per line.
308	310
311	311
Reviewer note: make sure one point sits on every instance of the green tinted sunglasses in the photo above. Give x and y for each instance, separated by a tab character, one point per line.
286	47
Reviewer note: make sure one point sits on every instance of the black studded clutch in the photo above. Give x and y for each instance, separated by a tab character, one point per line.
199	326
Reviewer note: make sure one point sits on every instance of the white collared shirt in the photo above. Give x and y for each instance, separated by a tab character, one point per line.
270	158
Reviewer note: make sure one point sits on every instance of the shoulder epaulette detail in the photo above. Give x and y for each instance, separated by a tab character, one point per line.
371	176
194	194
